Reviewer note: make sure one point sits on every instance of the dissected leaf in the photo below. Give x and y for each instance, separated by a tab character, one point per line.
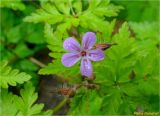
59	69
23	105
25	102
48	14
7	104
11	76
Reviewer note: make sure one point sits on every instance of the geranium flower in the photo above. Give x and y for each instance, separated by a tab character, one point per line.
86	53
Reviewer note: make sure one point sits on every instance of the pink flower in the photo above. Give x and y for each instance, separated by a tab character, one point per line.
86	53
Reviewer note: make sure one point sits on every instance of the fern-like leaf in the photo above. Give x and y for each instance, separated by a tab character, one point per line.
7	106
9	76
47	14
26	101
23	105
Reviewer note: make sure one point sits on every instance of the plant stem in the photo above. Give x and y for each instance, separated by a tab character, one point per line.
70	4
60	105
32	59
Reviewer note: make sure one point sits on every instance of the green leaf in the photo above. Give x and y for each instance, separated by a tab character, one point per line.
14	35
26	65
7	104
94	3
55	40
15	5
90	21
11	76
106	9
48	13
22	105
57	68
120	59
25	103
78	6
6	54
22	50
145	30
111	103
63	6
33	33
145	63
86	102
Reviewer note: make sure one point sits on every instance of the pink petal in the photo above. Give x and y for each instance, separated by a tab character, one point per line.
89	39
96	55
86	67
71	45
69	59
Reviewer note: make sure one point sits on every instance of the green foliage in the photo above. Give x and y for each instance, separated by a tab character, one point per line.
7	104
27	65
15	5
113	103
125	67
46	14
19	40
14	32
127	77
91	106
126	81
22	105
116	67
146	10
11	76
145	30
82	19
69	14
60	70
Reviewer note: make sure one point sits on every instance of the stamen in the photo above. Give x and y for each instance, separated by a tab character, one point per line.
83	53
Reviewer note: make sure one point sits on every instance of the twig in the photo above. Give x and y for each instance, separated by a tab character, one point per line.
32	59
60	105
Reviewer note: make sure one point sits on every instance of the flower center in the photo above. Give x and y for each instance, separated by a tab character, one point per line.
83	53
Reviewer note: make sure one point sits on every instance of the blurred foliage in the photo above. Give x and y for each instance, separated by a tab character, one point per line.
18	5
139	10
20	40
126	81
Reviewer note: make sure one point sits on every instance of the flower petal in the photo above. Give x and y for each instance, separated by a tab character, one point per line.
89	39
86	67
96	55
71	45
69	59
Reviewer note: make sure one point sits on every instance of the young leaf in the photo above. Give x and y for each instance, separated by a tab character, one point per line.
25	103
11	76
7	104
